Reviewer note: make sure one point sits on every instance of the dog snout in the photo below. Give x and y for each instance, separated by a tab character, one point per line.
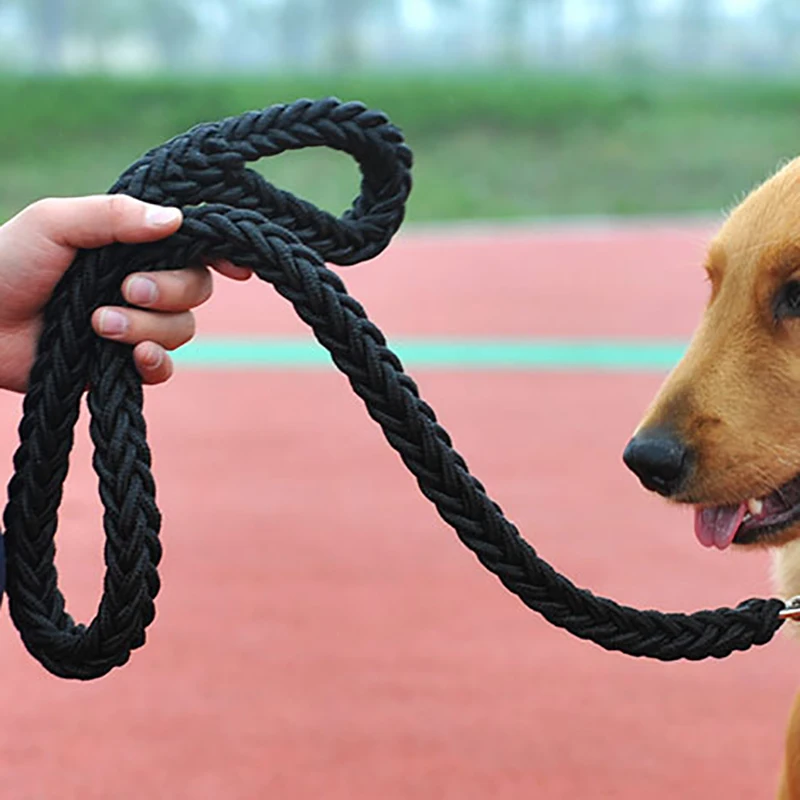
660	459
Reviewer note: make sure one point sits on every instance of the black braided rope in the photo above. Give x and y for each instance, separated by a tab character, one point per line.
232	212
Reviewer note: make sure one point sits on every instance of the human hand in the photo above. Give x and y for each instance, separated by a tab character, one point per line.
38	245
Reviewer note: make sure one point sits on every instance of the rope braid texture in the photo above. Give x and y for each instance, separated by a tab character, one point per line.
231	212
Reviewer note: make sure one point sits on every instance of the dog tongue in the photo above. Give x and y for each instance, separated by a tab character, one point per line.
716	526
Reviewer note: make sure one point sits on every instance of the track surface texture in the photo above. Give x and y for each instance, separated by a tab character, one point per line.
322	634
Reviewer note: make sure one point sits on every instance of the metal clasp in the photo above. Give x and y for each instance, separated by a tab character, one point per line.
792	609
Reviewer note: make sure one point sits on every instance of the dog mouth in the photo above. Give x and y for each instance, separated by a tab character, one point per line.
750	522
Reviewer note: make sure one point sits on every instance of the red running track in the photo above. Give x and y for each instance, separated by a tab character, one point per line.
322	634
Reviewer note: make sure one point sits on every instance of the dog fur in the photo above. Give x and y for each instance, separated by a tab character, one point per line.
735	396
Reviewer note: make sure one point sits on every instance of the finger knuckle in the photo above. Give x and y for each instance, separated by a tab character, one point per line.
182	329
190	328
118	209
193	286
43	208
187	331
206	287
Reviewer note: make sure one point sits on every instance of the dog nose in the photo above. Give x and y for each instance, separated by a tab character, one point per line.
659	459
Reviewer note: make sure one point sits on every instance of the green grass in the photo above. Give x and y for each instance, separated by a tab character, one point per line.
486	145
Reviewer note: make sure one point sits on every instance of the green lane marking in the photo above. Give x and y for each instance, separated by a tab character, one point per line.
653	355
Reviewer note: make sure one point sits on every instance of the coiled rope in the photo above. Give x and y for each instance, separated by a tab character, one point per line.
232	212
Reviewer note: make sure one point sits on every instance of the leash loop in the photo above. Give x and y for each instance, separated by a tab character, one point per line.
231	211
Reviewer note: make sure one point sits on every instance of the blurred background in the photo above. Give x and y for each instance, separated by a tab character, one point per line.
514	108
320	633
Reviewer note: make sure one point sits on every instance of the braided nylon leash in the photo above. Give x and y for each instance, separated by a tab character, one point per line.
232	212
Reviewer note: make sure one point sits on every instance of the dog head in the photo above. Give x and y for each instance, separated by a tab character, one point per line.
723	433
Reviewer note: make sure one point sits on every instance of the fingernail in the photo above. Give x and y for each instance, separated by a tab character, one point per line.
153	357
141	291
113	323
161	216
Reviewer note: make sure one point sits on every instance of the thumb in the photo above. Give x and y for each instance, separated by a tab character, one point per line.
96	220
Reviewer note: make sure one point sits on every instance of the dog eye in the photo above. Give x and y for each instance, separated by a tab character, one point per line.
788	301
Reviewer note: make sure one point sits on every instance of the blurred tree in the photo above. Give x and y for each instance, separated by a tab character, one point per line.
511	18
298	22
629	30
172	25
47	20
97	27
343	20
696	30
551	20
629	17
784	19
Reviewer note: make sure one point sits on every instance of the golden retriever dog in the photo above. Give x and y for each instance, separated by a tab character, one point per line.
723	432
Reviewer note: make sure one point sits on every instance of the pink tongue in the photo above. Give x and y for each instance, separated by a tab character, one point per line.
716	526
